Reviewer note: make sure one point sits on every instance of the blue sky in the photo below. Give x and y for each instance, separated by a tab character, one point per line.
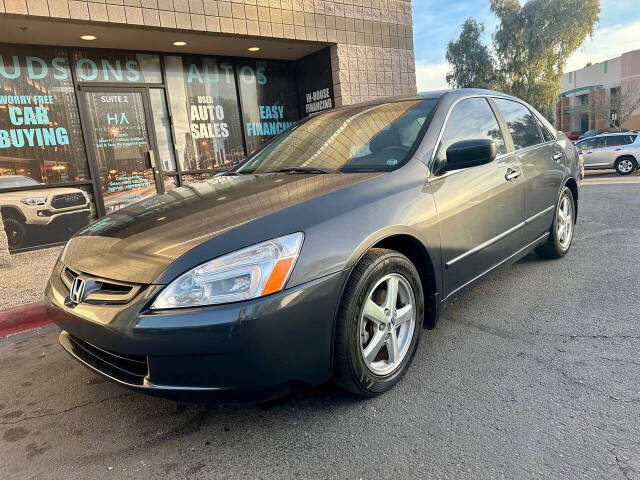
436	22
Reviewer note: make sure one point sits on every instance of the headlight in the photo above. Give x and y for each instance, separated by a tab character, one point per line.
248	273
33	201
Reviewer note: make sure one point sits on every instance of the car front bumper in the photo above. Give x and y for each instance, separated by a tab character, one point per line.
78	217
234	353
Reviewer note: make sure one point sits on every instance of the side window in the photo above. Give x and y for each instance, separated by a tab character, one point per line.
601	142
522	124
546	134
471	119
615	140
586	144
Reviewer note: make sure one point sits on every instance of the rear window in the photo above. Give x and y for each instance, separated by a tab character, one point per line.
617	140
627	139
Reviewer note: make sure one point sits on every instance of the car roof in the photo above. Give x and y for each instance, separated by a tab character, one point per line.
613	134
464	92
434	95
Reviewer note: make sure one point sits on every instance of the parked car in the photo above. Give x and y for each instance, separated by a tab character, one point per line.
590	133
43	215
322	255
573	135
620	151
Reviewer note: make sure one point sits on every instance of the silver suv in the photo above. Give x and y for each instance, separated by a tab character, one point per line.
620	151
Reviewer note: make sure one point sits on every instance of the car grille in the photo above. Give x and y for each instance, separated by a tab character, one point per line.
68	200
130	369
102	290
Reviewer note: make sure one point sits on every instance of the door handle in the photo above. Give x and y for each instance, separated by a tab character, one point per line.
617	149
557	156
512	174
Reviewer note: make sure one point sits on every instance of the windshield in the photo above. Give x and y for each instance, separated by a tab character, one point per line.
356	139
17	181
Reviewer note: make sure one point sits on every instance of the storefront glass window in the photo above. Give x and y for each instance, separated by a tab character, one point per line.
40	143
99	66
269	100
40	135
204	107
170	183
162	125
196	177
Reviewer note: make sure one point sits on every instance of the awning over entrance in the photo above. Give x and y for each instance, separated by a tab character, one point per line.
579	90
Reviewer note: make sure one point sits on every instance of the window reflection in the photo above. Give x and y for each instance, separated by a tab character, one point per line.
162	125
116	66
269	99
40	135
170	183
205	112
522	124
471	119
195	177
365	137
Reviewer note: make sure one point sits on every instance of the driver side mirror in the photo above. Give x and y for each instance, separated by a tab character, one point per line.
469	153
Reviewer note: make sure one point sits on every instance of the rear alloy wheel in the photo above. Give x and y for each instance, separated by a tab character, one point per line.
378	330
625	165
562	229
16	233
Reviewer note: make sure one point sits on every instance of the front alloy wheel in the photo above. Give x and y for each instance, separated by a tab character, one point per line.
387	323
377	326
16	233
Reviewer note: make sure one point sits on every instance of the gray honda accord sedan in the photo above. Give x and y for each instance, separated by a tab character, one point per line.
321	256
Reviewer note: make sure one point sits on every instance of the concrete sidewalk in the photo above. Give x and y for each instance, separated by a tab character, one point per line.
24	281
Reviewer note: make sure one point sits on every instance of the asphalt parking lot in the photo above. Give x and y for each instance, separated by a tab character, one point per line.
534	374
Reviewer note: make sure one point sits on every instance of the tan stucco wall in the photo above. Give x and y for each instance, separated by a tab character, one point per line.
632	123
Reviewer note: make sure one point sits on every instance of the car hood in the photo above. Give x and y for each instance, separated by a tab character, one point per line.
137	243
41	192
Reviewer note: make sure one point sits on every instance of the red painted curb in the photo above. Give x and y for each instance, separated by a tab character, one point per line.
23	318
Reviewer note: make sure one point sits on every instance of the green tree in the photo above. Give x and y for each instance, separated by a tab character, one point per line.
531	45
470	59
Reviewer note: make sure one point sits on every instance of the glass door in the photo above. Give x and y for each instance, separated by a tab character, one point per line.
119	135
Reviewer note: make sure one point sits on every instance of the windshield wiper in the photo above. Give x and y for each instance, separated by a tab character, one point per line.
312	170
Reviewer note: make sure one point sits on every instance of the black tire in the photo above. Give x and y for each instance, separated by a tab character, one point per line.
553	248
350	371
16	232
625	171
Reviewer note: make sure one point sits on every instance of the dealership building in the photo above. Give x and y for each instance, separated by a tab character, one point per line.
106	102
593	94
